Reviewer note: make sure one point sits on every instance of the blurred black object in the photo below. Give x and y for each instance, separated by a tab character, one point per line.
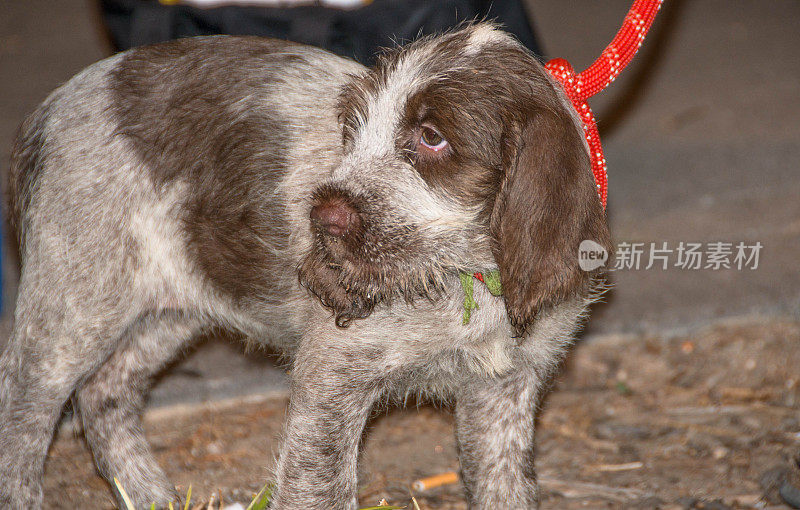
356	33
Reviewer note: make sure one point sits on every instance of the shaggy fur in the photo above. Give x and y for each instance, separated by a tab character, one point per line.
294	197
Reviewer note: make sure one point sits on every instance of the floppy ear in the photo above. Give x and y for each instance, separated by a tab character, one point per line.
546	205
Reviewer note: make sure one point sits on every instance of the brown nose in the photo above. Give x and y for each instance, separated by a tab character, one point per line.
336	217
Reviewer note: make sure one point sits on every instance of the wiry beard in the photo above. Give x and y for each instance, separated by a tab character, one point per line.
351	277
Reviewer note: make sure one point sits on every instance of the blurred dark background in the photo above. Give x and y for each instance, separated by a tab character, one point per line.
357	33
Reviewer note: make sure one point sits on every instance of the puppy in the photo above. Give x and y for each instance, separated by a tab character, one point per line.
309	203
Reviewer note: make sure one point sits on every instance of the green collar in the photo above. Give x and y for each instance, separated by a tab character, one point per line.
492	282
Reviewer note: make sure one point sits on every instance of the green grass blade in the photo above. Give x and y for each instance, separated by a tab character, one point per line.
261	500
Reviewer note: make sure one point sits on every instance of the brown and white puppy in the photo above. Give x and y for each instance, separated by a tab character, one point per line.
314	205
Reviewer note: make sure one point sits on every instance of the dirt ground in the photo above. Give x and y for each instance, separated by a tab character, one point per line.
707	420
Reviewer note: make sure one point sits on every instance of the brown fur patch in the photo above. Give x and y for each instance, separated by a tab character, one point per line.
193	121
546	206
475	102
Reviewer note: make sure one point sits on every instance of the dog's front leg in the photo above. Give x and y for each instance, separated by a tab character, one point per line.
335	382
494	428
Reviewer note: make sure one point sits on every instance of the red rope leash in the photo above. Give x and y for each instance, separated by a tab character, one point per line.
580	87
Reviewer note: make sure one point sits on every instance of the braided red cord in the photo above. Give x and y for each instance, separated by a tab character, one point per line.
580	87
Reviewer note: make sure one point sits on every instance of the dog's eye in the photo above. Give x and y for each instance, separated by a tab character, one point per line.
431	139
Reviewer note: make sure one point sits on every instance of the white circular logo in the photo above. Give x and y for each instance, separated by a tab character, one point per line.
591	255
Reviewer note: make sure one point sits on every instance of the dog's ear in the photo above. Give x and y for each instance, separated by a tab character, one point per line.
547	204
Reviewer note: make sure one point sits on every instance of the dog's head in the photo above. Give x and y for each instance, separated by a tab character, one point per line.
459	154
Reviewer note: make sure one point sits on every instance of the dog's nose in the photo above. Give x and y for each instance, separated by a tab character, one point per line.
336	217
